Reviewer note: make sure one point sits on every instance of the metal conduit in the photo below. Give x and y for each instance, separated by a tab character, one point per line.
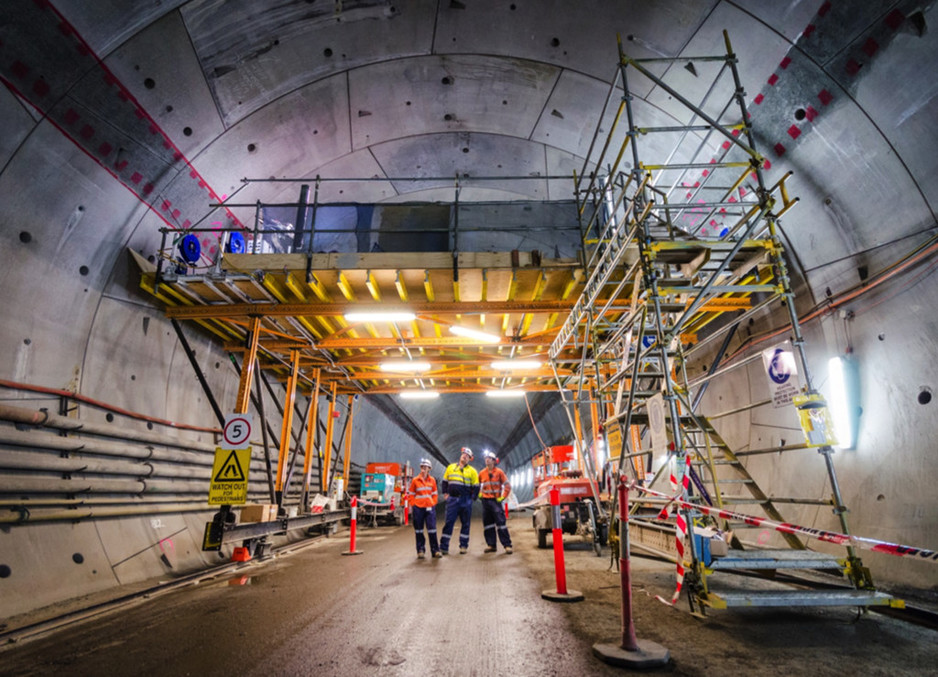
45	419
48	477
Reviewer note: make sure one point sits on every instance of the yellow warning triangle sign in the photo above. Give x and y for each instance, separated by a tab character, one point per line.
231	470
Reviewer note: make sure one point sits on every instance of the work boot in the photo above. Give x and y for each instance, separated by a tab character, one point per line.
437	555
491	548
444	552
420	555
463	551
508	550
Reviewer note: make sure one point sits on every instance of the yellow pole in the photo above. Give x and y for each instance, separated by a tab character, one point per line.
324	480
247	368
286	429
312	423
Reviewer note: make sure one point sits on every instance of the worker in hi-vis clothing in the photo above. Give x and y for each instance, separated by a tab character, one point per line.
495	489
423	490
461	486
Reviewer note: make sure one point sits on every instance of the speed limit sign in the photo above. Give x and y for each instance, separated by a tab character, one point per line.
237	431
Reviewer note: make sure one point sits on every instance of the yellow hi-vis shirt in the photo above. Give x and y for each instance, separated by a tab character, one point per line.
460	481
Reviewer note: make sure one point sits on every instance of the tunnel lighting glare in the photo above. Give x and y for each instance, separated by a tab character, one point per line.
404	366
529	478
844	401
381	316
505	394
475	334
419	395
516	365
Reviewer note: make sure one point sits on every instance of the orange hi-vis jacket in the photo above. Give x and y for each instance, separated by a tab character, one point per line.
423	491
494	483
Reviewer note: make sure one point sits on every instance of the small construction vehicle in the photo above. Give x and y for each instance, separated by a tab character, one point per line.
382	488
556	468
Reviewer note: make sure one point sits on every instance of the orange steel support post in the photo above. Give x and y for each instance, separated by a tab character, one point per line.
312	425
594	429
327	457
346	462
247	368
286	429
579	436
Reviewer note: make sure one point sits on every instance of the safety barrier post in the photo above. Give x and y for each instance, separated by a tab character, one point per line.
406	516
561	594
630	652
353	529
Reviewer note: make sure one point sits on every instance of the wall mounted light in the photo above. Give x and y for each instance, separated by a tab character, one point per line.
504	393
844	402
404	366
380	316
475	334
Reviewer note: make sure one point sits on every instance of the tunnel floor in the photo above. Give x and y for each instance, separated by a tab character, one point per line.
384	612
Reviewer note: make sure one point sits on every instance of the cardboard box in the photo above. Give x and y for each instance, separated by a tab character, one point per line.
258	512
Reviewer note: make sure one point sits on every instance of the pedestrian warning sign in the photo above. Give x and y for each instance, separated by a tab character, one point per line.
229	484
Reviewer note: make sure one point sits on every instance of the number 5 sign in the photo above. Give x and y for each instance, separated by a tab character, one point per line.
237	432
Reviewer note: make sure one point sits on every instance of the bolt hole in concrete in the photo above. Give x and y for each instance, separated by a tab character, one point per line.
327	52
800	114
924	397
149	83
5	571
109	417
555	42
26	237
83	270
252	147
187	131
880	497
447	80
78	558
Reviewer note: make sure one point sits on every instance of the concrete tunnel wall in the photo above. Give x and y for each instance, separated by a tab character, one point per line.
74	319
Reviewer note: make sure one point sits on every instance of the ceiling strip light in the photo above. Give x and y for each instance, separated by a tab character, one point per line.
516	365
504	393
405	366
475	334
381	316
419	395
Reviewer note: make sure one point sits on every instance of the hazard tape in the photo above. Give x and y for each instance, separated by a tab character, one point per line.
845	540
681	531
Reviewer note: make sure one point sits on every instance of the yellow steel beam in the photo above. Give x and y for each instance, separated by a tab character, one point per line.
339	309
401	286
428	286
372	284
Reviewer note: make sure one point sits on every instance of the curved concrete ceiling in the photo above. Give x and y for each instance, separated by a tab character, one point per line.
189	98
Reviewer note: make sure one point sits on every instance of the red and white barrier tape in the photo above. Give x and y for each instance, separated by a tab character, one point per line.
681	531
820	534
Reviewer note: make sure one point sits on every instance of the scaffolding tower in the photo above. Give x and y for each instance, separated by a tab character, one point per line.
687	233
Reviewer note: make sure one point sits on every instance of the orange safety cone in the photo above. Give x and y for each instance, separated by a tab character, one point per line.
353	528
561	594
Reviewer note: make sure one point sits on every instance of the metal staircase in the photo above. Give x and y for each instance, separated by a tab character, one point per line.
692	243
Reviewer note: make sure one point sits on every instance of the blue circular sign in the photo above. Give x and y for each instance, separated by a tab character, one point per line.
779	370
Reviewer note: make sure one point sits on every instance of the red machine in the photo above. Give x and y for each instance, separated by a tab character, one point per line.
556	467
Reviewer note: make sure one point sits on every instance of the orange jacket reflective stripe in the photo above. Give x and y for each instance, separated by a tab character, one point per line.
494	483
423	491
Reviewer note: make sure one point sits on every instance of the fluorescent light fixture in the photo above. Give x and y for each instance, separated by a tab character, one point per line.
381	316
477	335
404	366
512	365
844	403
504	393
419	394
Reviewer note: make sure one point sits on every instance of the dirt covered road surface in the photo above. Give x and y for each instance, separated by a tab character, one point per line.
384	612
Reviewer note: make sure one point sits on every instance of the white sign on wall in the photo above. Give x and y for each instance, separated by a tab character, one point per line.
782	372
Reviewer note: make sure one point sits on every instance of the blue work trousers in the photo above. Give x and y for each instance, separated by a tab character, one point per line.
421	517
461	507
493	519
